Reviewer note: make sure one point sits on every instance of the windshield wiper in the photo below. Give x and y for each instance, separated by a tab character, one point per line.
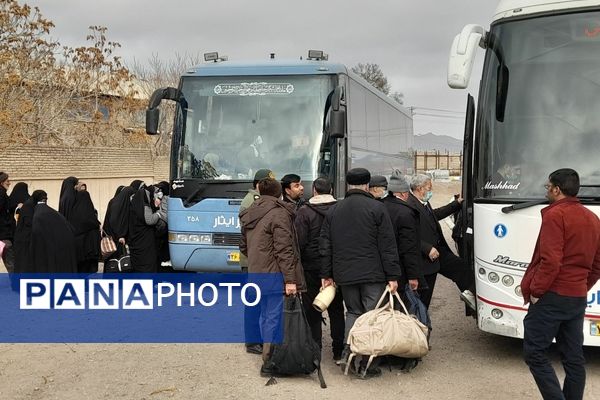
520	206
527	204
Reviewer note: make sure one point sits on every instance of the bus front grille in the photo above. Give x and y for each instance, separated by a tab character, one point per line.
227	239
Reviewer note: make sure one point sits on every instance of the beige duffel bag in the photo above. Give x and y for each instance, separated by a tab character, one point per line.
386	331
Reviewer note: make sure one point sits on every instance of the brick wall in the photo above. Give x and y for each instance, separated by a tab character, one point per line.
103	169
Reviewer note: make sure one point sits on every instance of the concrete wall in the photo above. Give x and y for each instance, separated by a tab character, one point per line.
103	169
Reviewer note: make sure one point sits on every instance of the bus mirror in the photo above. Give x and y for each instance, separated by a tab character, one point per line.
337	123
336	99
152	117
462	55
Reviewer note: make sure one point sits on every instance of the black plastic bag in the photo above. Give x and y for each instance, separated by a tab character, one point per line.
298	354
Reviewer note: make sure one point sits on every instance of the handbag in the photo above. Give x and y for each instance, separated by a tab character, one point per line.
107	245
116	265
386	331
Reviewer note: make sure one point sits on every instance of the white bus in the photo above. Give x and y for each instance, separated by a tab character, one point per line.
538	110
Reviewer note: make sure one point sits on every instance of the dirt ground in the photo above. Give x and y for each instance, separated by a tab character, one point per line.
464	363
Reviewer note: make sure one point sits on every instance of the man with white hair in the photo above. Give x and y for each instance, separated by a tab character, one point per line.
436	255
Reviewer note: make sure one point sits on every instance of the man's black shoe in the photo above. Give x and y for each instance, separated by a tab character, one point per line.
254	348
265	371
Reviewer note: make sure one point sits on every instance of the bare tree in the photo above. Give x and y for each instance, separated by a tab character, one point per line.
398	96
57	95
373	74
157	73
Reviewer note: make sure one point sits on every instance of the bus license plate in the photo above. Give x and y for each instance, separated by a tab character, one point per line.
594	328
233	257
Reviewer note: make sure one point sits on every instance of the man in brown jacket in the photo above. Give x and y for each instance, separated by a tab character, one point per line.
270	243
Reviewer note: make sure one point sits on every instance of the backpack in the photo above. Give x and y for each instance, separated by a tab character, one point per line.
385	331
298	353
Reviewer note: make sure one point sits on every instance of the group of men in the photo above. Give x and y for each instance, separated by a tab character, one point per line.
385	233
360	244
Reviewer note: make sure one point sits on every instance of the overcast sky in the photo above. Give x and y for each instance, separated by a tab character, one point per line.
409	40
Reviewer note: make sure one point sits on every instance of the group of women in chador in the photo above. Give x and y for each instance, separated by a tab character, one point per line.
68	240
136	217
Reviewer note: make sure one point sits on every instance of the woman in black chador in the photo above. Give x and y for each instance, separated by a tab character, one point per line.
18	196
68	192
86	228
52	241
23	232
142	243
116	220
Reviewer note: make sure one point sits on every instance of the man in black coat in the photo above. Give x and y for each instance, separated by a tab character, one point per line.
309	220
406	222
436	255
359	251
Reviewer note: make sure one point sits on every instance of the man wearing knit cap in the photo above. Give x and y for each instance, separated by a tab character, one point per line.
378	186
251	315
358	251
405	220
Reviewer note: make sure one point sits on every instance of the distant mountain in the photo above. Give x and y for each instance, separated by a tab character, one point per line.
430	142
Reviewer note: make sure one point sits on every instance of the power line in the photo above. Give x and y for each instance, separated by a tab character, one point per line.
437	115
437	109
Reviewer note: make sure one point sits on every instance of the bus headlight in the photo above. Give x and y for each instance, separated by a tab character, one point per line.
507	280
481	271
518	291
200	238
205	238
493	277
497	313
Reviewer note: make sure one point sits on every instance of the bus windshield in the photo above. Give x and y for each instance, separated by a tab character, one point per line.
552	105
237	125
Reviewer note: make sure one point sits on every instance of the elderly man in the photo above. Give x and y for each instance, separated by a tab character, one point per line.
436	255
378	186
406	222
359	252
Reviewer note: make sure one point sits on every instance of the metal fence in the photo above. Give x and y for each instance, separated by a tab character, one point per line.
432	160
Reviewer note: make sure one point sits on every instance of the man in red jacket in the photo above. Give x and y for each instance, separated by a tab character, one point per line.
564	266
